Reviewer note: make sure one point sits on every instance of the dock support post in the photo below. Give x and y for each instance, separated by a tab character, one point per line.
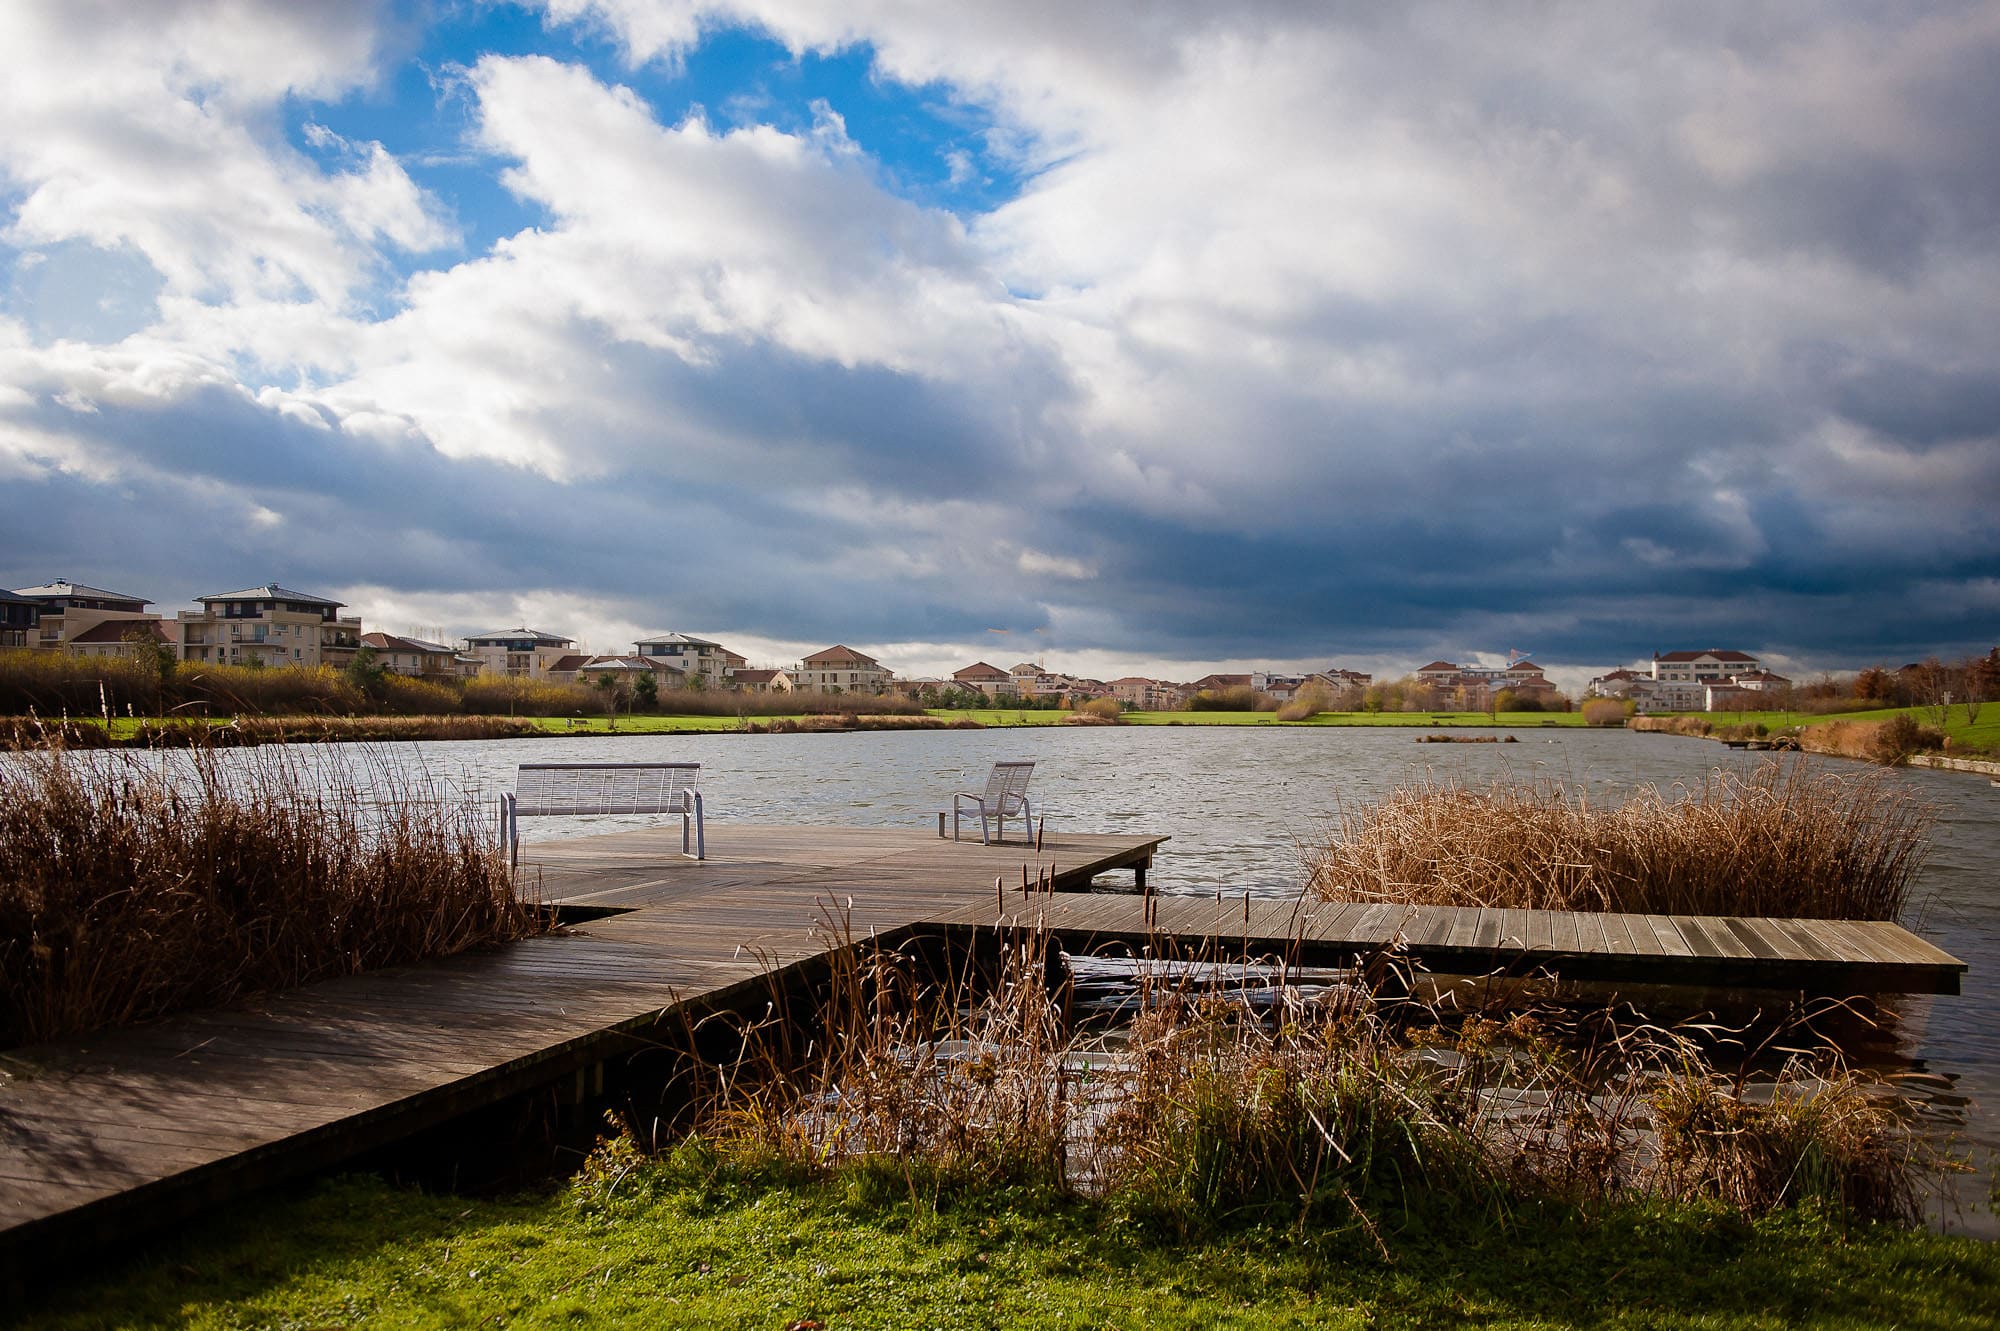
940	824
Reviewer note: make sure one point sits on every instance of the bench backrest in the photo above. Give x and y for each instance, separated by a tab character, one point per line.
1008	785
584	788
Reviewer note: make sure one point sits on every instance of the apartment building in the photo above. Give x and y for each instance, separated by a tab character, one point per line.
20	620
66	611
267	625
693	657
1710	667
841	669
518	653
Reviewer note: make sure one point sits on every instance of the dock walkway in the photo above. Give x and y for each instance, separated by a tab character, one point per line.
110	1134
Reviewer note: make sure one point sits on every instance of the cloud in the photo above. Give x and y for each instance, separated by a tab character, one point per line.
1305	332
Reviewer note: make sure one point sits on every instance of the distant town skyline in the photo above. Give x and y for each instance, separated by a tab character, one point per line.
1142	341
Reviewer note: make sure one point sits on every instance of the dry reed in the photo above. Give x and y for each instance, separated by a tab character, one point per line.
1347	1113
136	885
1785	840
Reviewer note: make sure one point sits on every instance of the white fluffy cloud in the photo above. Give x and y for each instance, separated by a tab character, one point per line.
1365	331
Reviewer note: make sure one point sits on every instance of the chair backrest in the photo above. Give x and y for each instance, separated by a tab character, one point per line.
581	788
1008	784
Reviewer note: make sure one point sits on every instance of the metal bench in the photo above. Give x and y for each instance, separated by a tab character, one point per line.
580	789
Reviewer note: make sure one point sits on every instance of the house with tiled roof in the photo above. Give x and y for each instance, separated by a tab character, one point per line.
1147	695
841	669
412	656
990	680
267	625
119	637
761	681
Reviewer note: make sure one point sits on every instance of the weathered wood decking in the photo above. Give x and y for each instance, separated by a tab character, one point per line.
109	1134
125	1130
1822	956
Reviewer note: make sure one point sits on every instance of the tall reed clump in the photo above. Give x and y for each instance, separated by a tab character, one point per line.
1784	840
899	1074
133	885
1206	1112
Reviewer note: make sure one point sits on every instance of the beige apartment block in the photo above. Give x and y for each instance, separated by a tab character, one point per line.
268	625
695	658
71	611
519	653
841	669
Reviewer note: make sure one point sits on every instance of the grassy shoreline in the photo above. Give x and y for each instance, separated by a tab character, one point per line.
1967	738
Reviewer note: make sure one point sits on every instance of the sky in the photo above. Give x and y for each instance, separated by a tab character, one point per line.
1152	339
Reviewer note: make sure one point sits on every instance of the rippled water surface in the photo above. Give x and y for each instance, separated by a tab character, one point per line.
1240	801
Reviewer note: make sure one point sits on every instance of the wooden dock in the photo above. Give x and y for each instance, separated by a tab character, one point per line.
107	1135
1819	956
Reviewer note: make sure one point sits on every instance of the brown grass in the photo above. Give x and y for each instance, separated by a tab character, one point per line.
249	731
1604	712
1784	841
1888	742
1344	1113
135	885
1671	725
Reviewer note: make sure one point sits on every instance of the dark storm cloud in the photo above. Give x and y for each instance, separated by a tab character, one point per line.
1401	332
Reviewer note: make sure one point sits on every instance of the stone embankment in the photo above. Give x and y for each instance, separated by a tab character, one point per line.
1977	766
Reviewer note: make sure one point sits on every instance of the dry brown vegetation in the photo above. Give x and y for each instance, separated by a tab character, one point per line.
1784	840
133	885
1888	742
1671	725
1345	1112
1605	712
55	685
247	731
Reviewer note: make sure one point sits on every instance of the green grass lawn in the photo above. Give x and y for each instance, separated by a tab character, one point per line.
1982	735
1967	736
667	1250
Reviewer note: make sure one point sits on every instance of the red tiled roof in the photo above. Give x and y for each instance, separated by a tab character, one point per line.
756	676
840	655
574	661
981	670
1436	665
114	630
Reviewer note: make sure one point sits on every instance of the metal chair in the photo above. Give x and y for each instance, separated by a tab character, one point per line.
1005	796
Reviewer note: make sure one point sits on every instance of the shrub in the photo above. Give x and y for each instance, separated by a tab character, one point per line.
56	684
499	695
1888	742
1240	698
1605	712
1671	725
